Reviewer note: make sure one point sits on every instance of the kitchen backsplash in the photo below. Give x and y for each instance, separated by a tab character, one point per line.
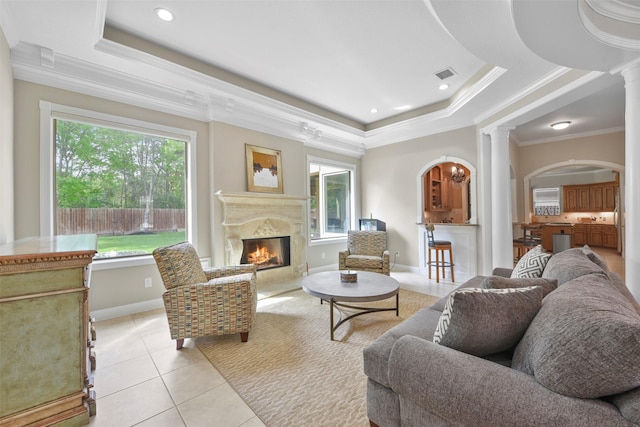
577	217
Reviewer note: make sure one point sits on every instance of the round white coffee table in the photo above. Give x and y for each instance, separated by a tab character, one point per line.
369	287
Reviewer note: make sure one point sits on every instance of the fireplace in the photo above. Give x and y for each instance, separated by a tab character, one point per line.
266	253
253	216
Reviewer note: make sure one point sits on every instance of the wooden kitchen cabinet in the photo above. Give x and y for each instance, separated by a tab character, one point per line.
590	198
594	235
609	236
45	344
609	197
579	235
439	190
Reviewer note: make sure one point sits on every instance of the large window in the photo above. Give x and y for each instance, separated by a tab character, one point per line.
331	199
123	180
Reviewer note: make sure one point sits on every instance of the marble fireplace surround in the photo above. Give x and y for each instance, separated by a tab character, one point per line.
257	215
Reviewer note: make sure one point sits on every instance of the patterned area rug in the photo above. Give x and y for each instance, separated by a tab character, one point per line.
290	372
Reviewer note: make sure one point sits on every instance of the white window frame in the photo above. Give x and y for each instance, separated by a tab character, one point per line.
50	112
352	192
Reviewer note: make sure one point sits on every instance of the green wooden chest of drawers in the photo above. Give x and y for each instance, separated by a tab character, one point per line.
45	335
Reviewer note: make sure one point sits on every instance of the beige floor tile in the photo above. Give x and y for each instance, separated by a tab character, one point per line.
119	325
116	348
220	407
113	378
253	422
188	382
170	418
132	405
158	339
170	359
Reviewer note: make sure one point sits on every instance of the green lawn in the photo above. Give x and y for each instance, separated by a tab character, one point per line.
135	244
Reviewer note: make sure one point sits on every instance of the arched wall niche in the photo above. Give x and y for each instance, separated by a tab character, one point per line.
472	182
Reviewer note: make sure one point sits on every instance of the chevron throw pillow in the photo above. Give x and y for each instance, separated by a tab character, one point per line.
532	264
486	321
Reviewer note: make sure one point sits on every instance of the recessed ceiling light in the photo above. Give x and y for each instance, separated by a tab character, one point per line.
560	125
443	86
164	14
373	110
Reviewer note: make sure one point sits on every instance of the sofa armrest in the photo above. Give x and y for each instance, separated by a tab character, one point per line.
501	271
229	270
468	390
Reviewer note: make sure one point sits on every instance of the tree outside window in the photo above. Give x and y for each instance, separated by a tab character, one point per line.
126	187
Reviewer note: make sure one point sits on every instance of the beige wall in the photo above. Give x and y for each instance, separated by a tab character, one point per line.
604	148
390	183
6	144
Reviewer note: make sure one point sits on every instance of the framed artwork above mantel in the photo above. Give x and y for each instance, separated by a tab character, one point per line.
264	170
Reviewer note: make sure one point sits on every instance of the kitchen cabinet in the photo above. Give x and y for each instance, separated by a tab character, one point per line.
439	190
610	236
46	339
609	191
579	235
594	235
589	198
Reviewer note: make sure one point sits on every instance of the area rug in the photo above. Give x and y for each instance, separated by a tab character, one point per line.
290	373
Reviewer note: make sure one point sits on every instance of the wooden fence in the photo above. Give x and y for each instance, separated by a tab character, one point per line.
114	222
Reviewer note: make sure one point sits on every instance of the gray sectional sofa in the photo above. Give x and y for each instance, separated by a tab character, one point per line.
571	355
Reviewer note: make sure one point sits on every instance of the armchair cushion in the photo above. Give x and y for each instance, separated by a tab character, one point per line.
179	265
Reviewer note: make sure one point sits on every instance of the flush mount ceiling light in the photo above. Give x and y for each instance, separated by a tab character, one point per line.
373	110
164	14
443	86
402	108
560	125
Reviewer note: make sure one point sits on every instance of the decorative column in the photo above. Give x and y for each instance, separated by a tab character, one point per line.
501	221
484	208
631	209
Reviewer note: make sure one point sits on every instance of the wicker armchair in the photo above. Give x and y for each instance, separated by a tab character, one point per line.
201	302
366	251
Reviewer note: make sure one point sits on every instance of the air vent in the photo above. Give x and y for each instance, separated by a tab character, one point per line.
445	74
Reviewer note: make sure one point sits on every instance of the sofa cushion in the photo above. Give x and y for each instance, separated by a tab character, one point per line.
569	264
584	342
499	282
485	321
421	324
532	264
595	258
364	261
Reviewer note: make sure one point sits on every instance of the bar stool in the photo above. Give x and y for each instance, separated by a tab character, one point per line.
439	246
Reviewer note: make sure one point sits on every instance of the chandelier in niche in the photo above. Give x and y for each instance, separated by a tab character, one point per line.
458	175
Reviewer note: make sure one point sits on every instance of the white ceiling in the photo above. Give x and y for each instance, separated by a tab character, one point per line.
314	69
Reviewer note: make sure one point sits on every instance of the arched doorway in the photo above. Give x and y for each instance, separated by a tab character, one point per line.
462	233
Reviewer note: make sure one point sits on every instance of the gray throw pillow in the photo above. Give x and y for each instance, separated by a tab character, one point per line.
486	321
584	342
499	282
532	264
595	258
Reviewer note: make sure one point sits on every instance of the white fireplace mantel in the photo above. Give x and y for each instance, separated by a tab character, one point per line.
257	215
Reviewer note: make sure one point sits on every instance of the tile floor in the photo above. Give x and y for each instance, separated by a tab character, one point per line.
142	380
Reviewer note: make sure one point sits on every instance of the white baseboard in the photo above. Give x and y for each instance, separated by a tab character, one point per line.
125	310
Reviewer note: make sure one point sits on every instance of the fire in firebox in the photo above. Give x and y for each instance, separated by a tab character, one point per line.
266	253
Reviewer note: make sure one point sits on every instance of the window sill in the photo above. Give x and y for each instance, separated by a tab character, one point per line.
108	264
328	241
